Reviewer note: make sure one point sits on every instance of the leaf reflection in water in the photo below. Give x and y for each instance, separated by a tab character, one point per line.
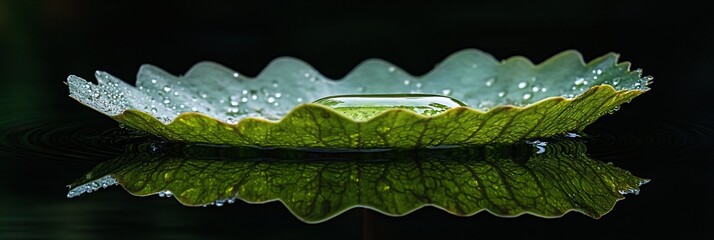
505	180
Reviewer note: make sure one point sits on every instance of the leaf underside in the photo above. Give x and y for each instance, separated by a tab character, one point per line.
312	125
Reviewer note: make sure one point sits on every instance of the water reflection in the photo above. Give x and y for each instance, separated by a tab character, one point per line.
506	180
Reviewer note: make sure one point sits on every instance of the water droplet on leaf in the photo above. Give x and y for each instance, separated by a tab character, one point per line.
579	81
527	96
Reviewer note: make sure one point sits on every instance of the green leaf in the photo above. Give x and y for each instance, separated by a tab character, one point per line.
506	180
507	101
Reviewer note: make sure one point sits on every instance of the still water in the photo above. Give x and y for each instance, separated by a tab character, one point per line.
42	153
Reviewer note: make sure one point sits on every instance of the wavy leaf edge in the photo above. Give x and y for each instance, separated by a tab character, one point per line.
626	94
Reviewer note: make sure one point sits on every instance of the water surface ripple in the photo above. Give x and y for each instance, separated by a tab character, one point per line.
675	138
62	141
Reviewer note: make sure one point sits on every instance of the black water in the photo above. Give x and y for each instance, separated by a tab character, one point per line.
47	140
43	153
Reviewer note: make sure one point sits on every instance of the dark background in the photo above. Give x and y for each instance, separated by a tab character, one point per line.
44	41
668	128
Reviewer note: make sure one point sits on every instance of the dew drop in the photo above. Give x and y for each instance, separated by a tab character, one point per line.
501	94
153	110
167	89
615	109
446	92
417	85
271	100
254	97
231	120
245	91
299	100
194	109
307	75
392	69
234	101
275	84
165	193
406	82
235	75
628	191
579	81
527	96
278	95
543	89
540	145
153	81
522	85
167	101
244	99
536	88
571	135
490	82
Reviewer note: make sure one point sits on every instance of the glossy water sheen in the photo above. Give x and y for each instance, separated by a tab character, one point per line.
365	106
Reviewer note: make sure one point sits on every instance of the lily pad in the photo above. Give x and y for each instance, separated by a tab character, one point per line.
506	102
505	180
